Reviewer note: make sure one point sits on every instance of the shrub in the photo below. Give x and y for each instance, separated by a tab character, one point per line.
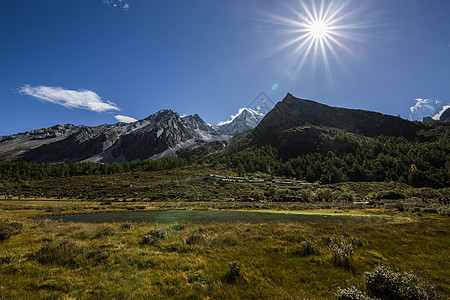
158	233
324	194
233	272
8	229
305	195
386	284
194	239
383	283
306	248
126	226
351	293
343	253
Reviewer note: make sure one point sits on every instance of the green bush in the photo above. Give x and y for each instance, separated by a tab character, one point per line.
324	194
306	248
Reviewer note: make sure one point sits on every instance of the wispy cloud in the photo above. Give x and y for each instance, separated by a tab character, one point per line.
117	3
125	119
82	99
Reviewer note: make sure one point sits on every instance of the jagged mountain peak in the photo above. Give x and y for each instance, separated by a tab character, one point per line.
197	123
245	120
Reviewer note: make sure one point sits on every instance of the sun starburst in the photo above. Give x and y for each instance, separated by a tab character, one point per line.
318	29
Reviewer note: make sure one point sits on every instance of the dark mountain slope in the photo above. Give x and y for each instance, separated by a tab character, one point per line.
294	112
294	125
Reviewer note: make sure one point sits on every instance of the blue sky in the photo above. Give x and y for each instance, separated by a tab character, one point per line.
87	61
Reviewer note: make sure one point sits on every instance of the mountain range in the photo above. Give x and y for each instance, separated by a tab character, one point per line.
160	135
294	126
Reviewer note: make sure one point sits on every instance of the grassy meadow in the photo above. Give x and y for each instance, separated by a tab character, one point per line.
44	259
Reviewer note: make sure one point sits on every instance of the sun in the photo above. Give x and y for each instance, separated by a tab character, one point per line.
319	29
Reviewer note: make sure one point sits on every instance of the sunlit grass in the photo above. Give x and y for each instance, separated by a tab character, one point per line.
192	260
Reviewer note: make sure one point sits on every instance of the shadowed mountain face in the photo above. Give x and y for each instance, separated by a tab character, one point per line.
294	125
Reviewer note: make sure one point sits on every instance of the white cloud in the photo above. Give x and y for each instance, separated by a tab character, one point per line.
82	99
236	115
424	108
117	3
125	119
439	114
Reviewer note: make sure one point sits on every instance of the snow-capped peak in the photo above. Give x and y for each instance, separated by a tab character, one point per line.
245	119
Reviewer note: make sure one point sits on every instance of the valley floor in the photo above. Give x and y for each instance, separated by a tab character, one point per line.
49	259
45	259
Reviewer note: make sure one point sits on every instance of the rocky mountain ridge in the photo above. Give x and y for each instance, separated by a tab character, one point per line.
162	134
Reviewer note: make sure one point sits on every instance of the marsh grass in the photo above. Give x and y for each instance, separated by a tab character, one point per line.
49	259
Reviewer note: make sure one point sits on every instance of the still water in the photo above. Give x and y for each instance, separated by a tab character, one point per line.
222	216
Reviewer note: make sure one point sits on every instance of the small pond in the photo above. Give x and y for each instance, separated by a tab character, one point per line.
223	216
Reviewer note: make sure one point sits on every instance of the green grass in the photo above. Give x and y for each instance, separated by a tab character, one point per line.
46	259
50	259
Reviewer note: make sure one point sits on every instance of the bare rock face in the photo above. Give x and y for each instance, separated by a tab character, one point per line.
197	123
165	130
